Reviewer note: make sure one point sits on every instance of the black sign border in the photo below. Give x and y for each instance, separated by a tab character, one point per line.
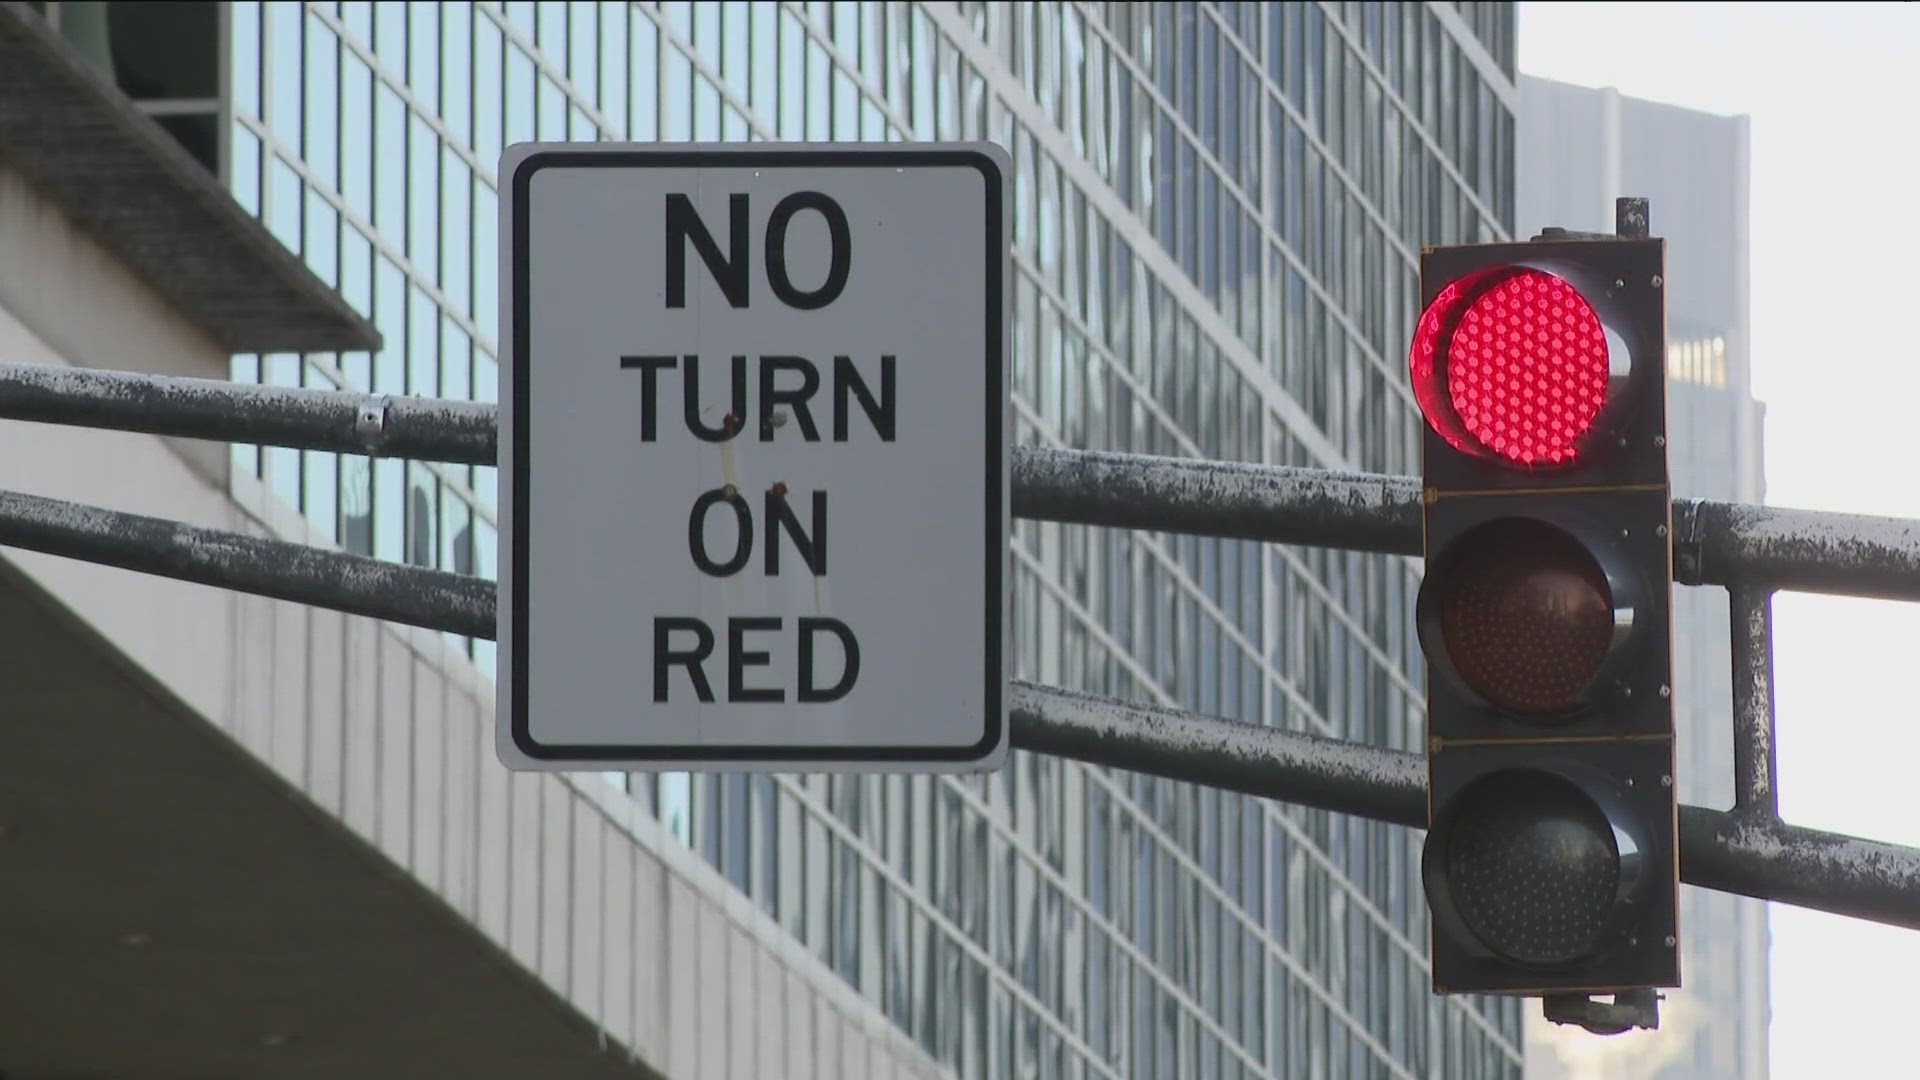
519	464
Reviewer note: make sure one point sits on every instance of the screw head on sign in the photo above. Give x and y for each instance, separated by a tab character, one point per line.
1672	941
1657	281
1666	781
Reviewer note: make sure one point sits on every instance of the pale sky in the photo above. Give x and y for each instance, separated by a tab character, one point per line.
1832	91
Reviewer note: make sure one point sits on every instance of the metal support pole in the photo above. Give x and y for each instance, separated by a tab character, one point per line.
1727	852
1755	761
1275	503
229	560
1713	543
1331	774
431	429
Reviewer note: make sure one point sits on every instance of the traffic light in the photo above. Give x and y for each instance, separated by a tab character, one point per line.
1551	859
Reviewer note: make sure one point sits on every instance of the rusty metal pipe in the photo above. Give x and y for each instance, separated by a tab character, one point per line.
1729	852
378	425
1714	543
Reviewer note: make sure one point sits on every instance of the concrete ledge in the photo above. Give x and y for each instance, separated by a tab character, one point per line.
121	177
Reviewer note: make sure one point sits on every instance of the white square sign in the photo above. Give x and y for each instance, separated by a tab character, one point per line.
753	457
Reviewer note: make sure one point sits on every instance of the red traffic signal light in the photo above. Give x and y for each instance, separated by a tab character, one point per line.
1513	362
1550	861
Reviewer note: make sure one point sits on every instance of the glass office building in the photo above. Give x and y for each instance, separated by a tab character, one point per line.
1218	209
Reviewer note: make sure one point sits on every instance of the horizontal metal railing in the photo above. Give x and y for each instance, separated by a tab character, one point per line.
1714	543
1752	550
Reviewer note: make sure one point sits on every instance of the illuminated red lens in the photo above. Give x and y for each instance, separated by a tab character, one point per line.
1526	616
1525	365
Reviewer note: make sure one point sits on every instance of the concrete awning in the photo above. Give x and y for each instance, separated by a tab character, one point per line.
169	908
124	179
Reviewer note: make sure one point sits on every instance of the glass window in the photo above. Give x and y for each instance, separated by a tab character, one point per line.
487	89
456	553
486	378
520	96
356	269
676	97
819	93
322	244
389	509
357	17
322	488
486	481
706	110
284	56
244	72
644	86
423	344
550	32
284	197
246	169
389	165
920	70
456	185
583	50
456	361
390	36
423	189
763	44
486	258
423	63
614	65
356	136
705	33
676	805
422	514
733	31
486	550
793	82
356	504
456	70
553	110
520	15
846	105
390	314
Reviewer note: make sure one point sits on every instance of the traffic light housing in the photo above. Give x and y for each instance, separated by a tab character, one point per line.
1551	861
